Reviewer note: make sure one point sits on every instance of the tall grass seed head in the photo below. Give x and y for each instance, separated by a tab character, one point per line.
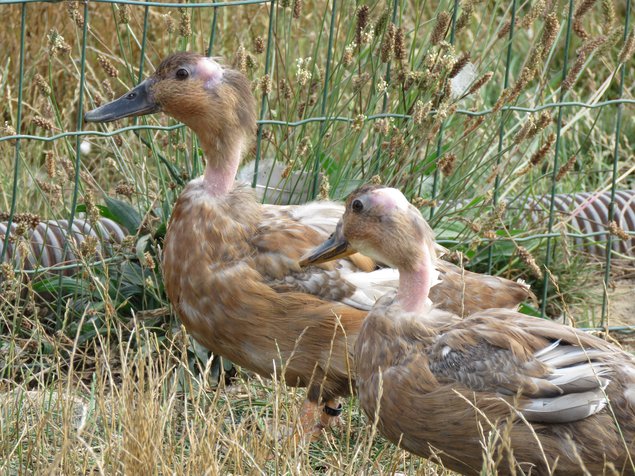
123	17
396	143
479	83
169	23
325	188
440	28
107	66
550	33
303	147
382	21
382	126
381	86
566	168
608	11
532	15
616	230
240	59
265	85
50	163
526	257
466	14
88	247
361	23
447	164
185	23
107	88
388	43
527	126
628	49
42	85
358	122
297	8
347	57
421	202
259	45
57	44
43	123
125	189
73	12
303	73
400	45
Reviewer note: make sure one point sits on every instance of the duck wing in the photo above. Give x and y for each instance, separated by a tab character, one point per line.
464	292
286	233
558	373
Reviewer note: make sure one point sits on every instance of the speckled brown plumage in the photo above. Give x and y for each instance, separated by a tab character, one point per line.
546	397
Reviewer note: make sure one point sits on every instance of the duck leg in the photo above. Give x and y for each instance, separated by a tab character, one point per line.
331	413
310	429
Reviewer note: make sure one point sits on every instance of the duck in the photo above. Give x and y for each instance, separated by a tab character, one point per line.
231	264
547	398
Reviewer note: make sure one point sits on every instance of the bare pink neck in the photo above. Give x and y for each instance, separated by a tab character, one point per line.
414	286
222	165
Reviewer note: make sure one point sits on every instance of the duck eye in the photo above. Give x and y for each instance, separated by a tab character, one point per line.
182	73
357	206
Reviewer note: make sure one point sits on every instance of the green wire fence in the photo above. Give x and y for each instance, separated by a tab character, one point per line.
348	92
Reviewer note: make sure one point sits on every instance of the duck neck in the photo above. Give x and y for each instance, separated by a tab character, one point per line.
415	284
222	162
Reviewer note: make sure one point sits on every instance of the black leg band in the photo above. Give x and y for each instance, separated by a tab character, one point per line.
333	412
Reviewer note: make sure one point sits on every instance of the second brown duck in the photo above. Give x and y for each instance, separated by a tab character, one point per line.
541	397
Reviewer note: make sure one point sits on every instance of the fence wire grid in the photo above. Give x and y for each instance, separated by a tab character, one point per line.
504	121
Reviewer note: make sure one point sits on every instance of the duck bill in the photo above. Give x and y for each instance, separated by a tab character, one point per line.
136	102
333	248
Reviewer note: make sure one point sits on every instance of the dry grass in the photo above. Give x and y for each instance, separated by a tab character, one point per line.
137	408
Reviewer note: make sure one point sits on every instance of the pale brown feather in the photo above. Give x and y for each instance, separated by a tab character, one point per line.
429	405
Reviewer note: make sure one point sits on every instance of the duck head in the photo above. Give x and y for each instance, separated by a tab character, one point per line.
378	222
215	101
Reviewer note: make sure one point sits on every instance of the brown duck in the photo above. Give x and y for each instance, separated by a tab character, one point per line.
547	398
231	264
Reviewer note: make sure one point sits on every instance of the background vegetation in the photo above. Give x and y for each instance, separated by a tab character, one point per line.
95	373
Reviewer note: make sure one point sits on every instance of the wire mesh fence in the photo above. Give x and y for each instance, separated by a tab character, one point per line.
509	123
